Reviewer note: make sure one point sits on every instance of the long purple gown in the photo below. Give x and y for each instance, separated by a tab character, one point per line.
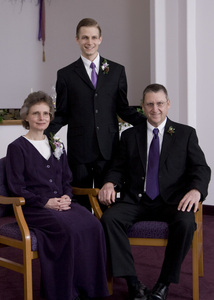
71	244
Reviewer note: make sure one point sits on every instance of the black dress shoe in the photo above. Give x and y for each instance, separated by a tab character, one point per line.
159	292
138	291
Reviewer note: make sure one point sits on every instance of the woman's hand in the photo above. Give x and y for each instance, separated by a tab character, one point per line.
59	204
65	202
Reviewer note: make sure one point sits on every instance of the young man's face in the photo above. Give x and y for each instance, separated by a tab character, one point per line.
155	107
89	40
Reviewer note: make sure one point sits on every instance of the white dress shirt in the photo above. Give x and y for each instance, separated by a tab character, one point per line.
87	64
150	135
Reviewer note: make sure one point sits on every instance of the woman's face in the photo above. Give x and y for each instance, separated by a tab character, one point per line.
38	117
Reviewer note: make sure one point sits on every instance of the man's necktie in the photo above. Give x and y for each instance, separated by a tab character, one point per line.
152	185
93	74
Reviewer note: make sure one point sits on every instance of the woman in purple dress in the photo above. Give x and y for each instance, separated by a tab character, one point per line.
71	242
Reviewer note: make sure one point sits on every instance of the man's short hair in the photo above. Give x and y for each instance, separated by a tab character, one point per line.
88	22
155	87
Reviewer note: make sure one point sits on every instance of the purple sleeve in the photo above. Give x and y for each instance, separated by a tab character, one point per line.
15	169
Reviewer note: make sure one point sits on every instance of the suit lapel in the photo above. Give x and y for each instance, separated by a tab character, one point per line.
168	140
81	71
141	137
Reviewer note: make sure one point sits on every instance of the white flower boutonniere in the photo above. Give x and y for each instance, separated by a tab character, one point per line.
105	67
171	130
57	146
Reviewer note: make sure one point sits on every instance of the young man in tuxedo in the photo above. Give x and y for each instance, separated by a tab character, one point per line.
179	183
90	108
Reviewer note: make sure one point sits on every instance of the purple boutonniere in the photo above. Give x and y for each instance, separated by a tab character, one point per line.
171	130
105	67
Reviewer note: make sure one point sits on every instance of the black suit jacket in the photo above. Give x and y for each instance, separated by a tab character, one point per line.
91	114
182	164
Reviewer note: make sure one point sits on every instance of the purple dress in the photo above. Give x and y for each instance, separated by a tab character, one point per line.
71	244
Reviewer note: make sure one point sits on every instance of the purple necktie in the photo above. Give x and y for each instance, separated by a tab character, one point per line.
152	185
93	74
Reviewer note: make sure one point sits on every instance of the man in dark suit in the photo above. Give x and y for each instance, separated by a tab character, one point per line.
182	181
90	111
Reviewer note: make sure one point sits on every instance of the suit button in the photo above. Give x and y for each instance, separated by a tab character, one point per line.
142	178
140	195
96	111
98	127
96	95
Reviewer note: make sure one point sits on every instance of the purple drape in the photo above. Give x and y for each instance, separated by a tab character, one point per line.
41	35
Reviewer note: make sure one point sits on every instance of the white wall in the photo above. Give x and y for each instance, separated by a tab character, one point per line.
20	52
125	26
205	79
8	134
182	58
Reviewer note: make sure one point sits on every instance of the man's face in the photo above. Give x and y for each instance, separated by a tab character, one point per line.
89	40
155	107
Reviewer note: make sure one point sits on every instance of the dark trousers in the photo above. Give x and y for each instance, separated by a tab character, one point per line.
88	176
117	219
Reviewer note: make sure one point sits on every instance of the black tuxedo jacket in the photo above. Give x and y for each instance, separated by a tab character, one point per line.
182	164
91	114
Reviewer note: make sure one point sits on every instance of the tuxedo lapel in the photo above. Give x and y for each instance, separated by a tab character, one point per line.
168	140
81	71
141	137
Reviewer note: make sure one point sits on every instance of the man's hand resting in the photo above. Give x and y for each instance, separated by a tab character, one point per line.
107	194
191	199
